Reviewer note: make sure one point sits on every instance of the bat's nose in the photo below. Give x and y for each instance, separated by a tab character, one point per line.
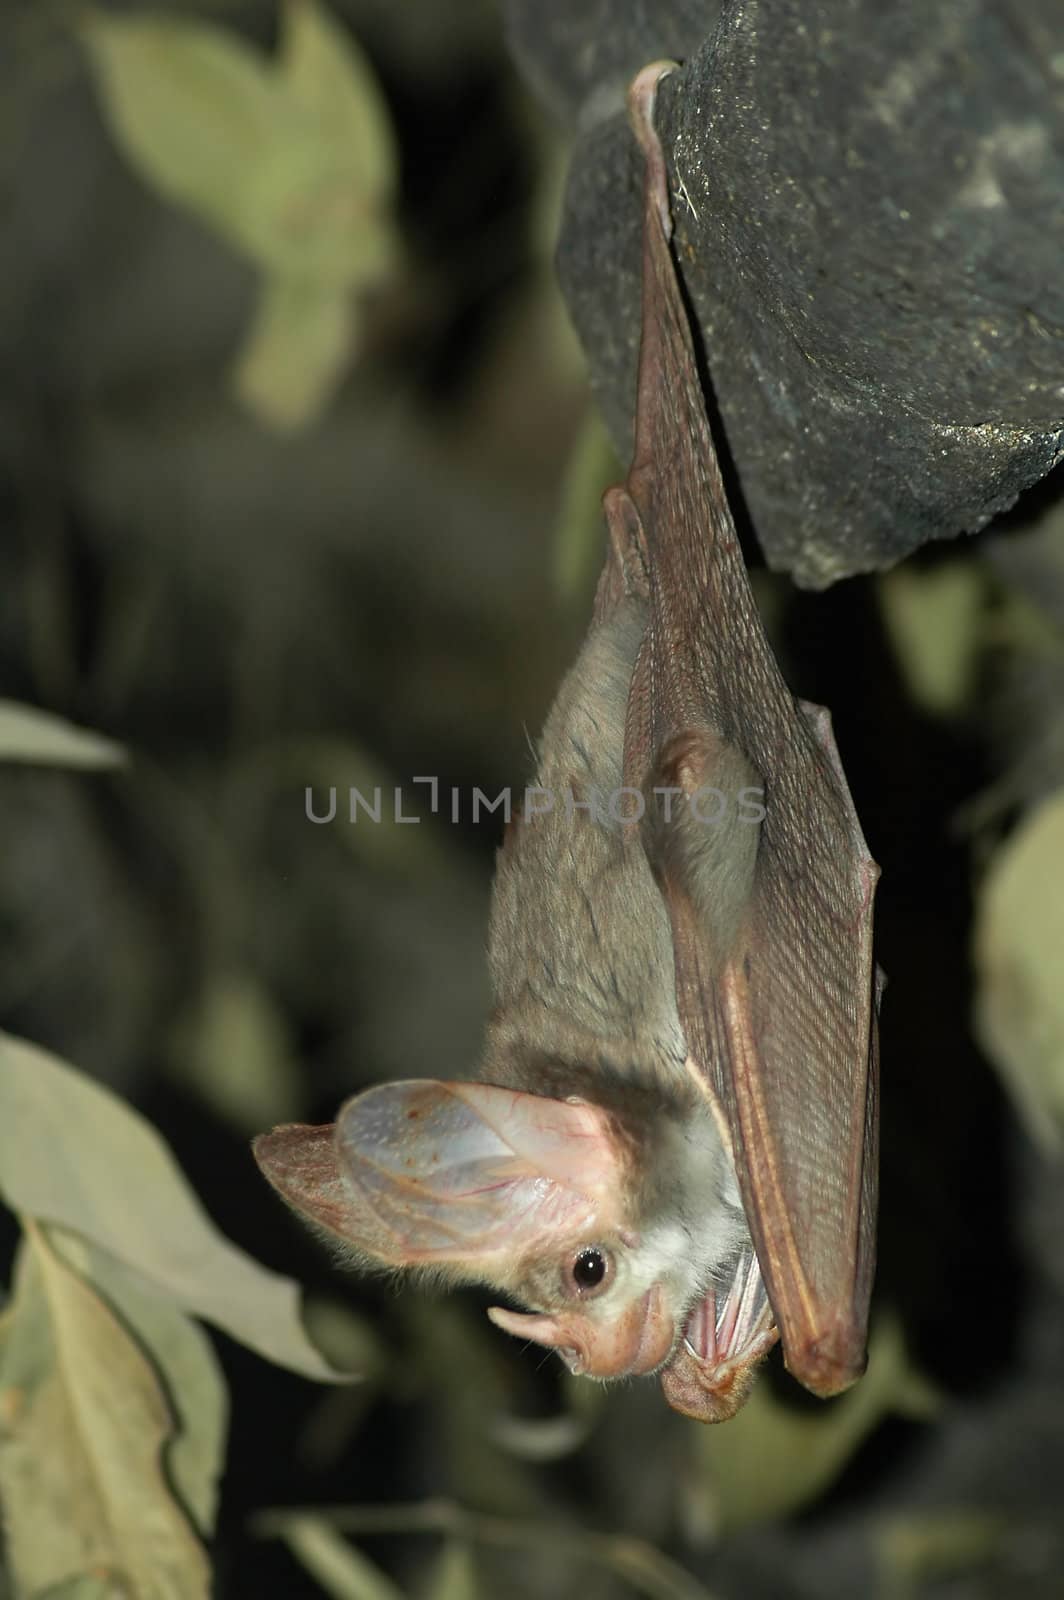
636	1342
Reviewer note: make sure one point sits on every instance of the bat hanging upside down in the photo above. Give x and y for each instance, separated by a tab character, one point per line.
669	1155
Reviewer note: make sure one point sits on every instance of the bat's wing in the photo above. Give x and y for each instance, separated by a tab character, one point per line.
772	926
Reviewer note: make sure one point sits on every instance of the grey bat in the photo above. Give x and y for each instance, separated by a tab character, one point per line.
669	1154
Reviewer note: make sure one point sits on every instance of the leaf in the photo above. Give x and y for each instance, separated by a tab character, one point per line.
73	1153
293	162
351	1342
39	737
195	112
295	352
343	1572
641	1567
455	1359
80	1453
578	533
934	619
773	1458
1019	936
336	206
332	82
925	1548
338	775
540	1439
234	1050
90	1588
551	1438
454	1576
185	1363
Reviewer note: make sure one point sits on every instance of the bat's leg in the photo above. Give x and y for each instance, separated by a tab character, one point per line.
702	827
628	540
818	719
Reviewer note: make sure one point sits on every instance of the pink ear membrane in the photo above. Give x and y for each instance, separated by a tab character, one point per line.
637	1340
453	1135
301	1162
466	1174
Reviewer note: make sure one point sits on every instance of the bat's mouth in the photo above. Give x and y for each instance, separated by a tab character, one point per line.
726	1337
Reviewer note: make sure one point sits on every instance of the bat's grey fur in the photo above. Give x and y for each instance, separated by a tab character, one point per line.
581	959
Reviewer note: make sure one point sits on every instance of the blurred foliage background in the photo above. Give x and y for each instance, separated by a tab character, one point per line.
299	481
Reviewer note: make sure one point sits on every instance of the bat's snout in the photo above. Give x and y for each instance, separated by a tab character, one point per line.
634	1343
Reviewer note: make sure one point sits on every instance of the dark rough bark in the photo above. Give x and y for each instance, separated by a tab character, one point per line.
870	228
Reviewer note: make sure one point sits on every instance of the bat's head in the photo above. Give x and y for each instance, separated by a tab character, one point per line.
549	1201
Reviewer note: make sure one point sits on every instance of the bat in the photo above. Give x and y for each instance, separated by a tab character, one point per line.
668	1157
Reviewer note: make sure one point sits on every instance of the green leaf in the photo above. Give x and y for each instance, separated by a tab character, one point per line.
85	1423
918	1550
293	163
773	1458
375	838
295	352
329	78
641	1567
1019	936
541	1439
579	538
343	1572
73	1153
195	111
351	1342
234	1050
456	1359
934	619
185	1363
90	1588
454	1576
29	735
336	184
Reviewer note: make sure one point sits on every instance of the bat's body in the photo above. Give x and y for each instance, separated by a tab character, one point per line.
671	1148
582	967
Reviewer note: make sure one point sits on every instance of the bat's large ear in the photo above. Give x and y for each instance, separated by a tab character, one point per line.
461	1174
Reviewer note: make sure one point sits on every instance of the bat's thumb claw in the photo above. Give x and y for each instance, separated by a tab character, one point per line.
642	95
829	1364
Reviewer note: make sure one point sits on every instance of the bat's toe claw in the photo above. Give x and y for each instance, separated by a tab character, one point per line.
829	1362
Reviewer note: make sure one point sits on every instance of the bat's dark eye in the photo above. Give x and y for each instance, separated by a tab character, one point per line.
590	1269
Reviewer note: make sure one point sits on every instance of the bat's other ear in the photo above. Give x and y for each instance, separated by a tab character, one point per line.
459	1174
